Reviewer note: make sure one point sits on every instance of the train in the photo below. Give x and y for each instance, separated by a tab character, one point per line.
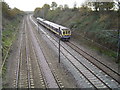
63	32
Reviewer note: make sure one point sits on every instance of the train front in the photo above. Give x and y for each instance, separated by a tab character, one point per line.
66	34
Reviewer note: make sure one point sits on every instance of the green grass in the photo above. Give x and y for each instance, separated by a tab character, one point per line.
95	47
8	36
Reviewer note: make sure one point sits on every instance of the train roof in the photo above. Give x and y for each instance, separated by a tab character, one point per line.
53	24
40	19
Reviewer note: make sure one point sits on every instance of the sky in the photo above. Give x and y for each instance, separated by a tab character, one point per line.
30	5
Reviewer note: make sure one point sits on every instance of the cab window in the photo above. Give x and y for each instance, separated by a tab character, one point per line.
63	32
68	32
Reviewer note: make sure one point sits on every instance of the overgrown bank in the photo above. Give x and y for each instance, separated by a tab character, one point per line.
11	19
10	22
100	27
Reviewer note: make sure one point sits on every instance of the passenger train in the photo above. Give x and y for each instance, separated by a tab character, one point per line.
63	32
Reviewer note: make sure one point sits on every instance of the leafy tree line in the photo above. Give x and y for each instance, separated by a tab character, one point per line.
9	13
42	12
10	21
102	6
89	6
94	20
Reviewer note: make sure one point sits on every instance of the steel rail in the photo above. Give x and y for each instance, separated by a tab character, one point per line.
93	58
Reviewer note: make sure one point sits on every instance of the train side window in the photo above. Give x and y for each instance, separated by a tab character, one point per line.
63	32
68	32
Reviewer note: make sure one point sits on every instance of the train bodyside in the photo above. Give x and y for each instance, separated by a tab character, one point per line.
64	32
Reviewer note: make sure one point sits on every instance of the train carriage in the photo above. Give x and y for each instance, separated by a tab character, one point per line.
64	32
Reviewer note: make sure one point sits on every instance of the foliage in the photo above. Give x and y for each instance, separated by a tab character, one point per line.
42	12
53	5
60	7
10	20
9	13
102	6
5	9
37	12
66	7
98	25
45	9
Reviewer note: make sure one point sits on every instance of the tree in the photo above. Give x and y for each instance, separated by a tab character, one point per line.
15	12
5	9
54	5
118	4
45	10
37	12
46	6
60	7
96	5
9	13
106	6
66	7
92	5
101	6
75	6
85	8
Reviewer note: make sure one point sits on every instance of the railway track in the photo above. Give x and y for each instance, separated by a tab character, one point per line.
23	72
50	77
58	81
17	71
22	79
101	78
95	80
54	73
29	66
91	77
42	83
106	69
24	75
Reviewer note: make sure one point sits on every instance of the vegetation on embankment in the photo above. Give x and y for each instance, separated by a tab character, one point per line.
99	25
11	19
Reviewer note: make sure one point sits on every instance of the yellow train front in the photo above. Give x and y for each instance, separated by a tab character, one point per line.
63	32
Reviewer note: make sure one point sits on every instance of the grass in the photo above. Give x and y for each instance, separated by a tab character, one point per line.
93	46
8	36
